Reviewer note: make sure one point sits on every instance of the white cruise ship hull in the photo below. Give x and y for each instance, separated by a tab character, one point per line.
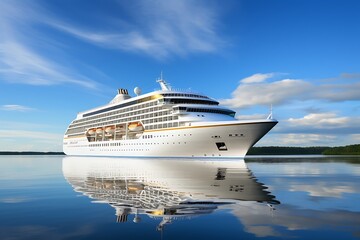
230	139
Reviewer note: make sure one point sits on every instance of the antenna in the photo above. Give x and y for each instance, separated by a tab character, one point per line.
271	112
164	85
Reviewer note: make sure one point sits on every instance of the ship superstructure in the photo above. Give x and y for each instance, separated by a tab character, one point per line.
163	123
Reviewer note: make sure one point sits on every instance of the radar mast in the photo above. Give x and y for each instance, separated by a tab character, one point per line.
164	85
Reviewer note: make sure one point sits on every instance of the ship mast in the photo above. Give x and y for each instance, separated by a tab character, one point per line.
164	85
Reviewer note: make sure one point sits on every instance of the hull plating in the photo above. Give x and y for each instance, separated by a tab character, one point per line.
231	139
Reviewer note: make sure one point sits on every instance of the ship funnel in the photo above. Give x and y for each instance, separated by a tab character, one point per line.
123	91
122	95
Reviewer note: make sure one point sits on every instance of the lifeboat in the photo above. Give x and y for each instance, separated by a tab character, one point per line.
99	130
135	126
110	129
91	131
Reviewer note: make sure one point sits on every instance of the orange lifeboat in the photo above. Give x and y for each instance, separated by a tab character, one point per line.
99	130
110	129
135	126
91	131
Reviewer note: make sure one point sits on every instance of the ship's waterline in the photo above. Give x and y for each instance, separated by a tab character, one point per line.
163	123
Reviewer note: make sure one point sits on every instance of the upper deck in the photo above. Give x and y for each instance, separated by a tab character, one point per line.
159	109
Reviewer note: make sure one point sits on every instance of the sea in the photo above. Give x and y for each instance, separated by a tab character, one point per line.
259	197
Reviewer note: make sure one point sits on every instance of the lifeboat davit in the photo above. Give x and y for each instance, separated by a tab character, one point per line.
135	126
91	131
99	130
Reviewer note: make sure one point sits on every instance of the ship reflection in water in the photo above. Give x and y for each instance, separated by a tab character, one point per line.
169	189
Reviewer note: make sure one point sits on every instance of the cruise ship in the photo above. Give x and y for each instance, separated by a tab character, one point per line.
163	123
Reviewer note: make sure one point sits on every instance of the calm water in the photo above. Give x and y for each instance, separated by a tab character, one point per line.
56	197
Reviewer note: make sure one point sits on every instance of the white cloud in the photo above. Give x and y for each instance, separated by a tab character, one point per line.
355	137
279	92
23	136
17	108
26	53
263	231
255	90
27	140
298	139
257	78
339	92
131	41
289	219
320	120
322	189
22	65
324	124
15	199
9	134
158	29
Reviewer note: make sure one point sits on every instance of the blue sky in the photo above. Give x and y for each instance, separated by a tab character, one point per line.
61	57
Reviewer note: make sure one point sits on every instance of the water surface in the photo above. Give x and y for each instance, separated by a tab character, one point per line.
57	197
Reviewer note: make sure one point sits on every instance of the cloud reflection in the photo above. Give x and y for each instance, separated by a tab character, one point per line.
291	219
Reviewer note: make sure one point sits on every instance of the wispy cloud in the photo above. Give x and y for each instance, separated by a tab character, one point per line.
155	28
19	199
322	189
29	140
299	139
320	120
339	92
355	137
279	92
327	123
25	136
16	108
10	134
19	64
314	129
291	218
257	78
257	90
158	29
26	54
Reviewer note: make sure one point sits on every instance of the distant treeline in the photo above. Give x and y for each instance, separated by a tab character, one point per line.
286	150
345	150
31	153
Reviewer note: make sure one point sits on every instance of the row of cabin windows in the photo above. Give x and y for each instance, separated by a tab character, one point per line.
188	101
120	113
163	125
145	105
183	95
148	121
219	111
127	144
154	120
122	118
167	135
